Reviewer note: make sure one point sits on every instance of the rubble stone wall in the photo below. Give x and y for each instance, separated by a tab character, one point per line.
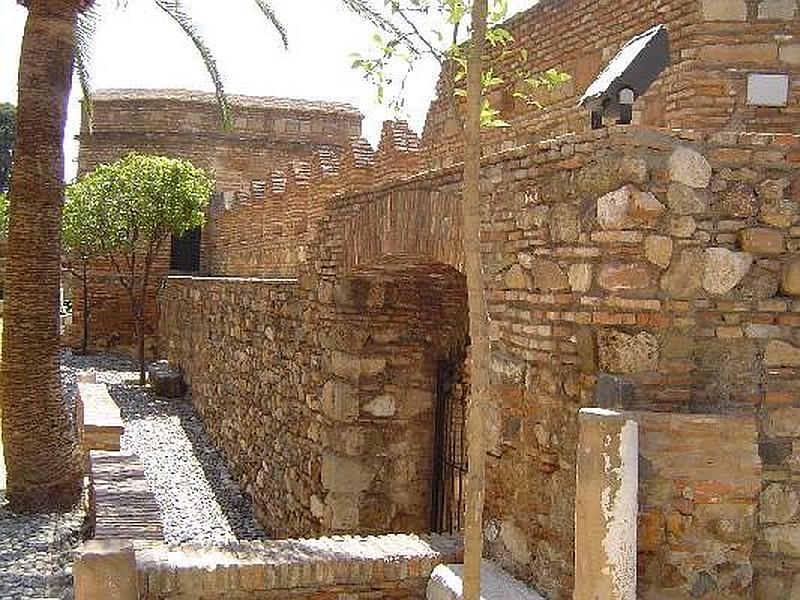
324	408
628	268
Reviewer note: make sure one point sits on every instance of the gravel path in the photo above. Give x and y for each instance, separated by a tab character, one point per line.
199	500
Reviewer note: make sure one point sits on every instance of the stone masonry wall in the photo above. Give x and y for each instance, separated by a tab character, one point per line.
629	268
323	407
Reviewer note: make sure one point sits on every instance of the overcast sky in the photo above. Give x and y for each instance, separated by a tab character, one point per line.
138	46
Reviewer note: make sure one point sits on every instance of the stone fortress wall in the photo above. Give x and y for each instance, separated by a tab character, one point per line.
640	268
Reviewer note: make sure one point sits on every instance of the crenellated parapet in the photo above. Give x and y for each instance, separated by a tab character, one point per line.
265	229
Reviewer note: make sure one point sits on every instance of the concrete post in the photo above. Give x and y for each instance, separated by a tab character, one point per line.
606	504
105	569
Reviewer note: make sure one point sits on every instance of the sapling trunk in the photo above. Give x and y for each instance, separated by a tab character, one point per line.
478	320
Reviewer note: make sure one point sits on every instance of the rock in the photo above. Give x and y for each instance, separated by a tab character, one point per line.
382	406
618	277
773	189
166	381
760	240
781	354
682	227
515	542
724	269
339	400
565	225
782	422
739	202
623	353
790	282
345	475
759	284
517	279
580	277
779	213
684	200
658	250
778	504
684	278
628	207
689	167
548	276
783	539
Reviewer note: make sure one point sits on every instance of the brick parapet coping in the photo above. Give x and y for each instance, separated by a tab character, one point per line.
307	567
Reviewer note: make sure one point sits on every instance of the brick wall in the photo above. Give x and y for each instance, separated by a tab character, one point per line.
270	135
715	44
394	567
323	406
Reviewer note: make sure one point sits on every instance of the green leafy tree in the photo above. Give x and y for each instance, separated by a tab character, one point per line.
84	230
8	135
43	461
133	206
410	31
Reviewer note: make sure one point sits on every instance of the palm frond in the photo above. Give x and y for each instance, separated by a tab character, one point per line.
175	11
366	11
276	23
84	37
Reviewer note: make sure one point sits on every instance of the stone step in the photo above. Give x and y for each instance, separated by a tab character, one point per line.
496	584
122	506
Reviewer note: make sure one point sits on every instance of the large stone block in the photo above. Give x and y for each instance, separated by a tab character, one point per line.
628	207
790	53
761	240
791	278
781	354
624	353
446	583
783	539
684	278
105	569
658	250
580	277
165	381
345	475
548	276
685	200
740	53
779	503
724	269
689	167
628	276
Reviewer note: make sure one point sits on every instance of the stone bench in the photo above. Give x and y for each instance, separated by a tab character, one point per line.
121	505
99	417
496	584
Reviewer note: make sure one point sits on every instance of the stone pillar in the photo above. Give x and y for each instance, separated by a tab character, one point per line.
606	504
105	569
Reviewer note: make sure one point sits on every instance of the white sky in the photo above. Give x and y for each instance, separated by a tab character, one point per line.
138	46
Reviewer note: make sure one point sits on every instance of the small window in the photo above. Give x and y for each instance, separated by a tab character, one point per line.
185	253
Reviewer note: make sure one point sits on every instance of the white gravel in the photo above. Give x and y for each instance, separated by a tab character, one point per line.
199	500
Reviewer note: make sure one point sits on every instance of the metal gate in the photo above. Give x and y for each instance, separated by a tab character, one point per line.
449	448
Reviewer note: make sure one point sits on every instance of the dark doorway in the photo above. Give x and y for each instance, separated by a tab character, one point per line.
185	254
449	447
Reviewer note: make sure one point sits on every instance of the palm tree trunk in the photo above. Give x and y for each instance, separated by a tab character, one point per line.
39	437
478	319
